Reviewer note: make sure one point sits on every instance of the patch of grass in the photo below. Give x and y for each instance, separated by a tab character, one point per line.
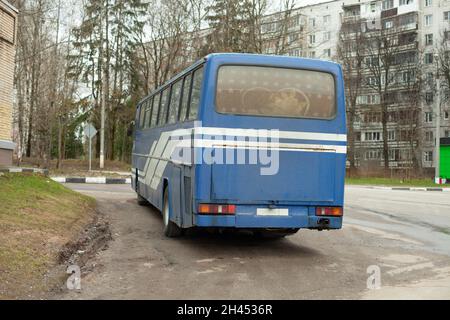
79	167
37	217
393	182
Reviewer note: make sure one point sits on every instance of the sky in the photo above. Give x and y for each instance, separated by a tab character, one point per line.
299	3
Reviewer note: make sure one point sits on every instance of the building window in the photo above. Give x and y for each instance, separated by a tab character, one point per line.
388	4
372	136
391	135
326	35
429	136
388	24
312	39
407	76
447	134
428	117
373	7
327	53
372	81
373	99
429	39
295	21
372	61
312	22
445	115
428	156
372	117
405	2
429	97
428	20
428	3
326	19
429	78
446	35
446	15
394	154
295	52
312	54
361	100
293	37
373	155
428	58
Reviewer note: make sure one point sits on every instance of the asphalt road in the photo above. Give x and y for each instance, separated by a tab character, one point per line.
406	234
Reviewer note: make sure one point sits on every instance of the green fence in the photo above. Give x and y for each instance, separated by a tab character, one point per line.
445	158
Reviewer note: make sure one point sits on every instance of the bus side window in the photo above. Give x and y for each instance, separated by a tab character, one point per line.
162	119
185	97
175	101
148	112
141	116
195	95
155	110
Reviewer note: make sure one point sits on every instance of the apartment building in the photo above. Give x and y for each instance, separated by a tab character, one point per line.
8	20
434	27
415	28
309	31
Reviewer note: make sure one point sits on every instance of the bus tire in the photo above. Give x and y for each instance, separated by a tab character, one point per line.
171	230
141	200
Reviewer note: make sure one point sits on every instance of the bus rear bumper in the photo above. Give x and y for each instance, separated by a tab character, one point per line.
247	217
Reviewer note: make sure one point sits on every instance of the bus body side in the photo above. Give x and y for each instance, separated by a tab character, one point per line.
303	193
153	172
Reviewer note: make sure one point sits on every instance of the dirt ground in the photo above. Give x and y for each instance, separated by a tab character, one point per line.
141	263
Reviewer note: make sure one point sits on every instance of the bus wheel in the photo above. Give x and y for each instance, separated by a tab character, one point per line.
171	230
141	200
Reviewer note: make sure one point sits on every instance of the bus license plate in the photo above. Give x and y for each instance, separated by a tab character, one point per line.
272	212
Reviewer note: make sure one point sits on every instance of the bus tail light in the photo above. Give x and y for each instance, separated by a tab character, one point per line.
330	211
216	209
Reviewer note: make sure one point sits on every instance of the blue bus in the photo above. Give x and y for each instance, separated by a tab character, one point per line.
244	141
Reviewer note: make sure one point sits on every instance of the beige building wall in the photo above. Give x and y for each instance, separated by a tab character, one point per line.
8	21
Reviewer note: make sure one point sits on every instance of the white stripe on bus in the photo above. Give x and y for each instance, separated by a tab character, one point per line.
205	143
300	135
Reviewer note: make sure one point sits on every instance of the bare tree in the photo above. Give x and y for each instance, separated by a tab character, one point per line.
384	57
351	52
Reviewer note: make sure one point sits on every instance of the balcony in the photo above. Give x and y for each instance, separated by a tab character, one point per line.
389	13
351	18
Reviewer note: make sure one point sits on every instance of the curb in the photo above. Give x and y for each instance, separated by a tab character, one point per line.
92	180
24	170
433	189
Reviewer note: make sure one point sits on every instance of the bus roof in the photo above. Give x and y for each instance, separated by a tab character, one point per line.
269	59
262	59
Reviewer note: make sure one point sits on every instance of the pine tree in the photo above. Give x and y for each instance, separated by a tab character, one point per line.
228	22
106	39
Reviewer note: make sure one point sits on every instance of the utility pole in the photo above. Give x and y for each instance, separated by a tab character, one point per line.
103	97
438	125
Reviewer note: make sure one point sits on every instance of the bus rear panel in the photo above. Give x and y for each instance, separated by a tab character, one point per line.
266	148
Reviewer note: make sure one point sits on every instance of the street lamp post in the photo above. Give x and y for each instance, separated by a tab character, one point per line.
438	125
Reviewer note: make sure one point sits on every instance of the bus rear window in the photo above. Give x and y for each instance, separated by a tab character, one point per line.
276	92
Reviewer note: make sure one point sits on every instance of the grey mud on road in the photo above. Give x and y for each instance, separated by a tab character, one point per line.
405	233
